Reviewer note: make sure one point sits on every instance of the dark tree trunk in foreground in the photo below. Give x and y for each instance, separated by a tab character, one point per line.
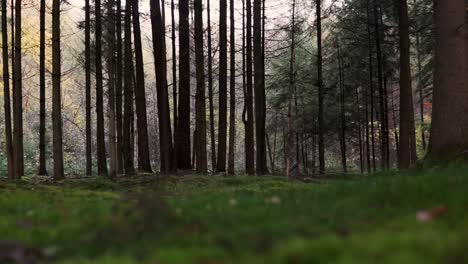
42	88
144	164
56	93
89	151
174	81
127	147
111	88
119	87
200	104
290	135
101	143
259	88
18	96
449	133
248	97
321	129
165	136
210	90
232	92
222	121
407	134
6	95
183	116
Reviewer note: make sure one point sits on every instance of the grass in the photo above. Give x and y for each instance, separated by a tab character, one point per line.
200	219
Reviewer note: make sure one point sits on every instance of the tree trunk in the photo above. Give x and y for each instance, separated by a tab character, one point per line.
183	117
261	167
42	88
200	101
56	93
449	133
101	143
6	95
248	97
174	82
371	87
290	137
111	88
321	129
89	139
144	164
18	97
232	93
342	112
128	94
222	121
407	136
210	90
119	87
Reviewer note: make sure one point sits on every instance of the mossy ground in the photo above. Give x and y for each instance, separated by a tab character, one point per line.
207	219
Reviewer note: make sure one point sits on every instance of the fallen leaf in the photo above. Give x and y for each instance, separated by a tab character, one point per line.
429	215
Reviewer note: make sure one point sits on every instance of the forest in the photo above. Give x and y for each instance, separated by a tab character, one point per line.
234	131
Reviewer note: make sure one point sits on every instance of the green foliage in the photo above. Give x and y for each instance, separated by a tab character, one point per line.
196	219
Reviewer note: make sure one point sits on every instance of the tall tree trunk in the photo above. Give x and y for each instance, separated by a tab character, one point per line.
183	117
18	96
321	129
128	94
371	86
291	133
361	159
420	89
200	101
248	97
449	132
174	81
111	88
56	93
119	87
89	139
222	121
101	143
382	112
210	90
342	112
407	136
6	95
232	93
259	88
144	164
42	88
165	136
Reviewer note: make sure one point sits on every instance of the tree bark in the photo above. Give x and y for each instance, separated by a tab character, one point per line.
248	117
119	87
449	132
42	88
321	129
128	162
407	136
291	133
174	82
111	63
183	117
144	164
100	137
56	93
89	139
232	93
210	90
6	96
18	96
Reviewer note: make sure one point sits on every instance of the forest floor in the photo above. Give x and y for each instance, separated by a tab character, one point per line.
415	217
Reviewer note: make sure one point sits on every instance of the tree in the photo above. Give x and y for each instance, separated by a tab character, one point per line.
407	135
101	143
42	88
174	79
232	93
56	93
128	163
247	117
449	132
210	89
200	101
6	96
321	129
111	63
165	136
89	139
144	164
119	87
183	116
259	88
18	96
222	120
291	88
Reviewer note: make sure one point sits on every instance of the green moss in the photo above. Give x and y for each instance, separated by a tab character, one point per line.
201	219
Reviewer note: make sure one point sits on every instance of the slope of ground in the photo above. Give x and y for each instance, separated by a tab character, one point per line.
415	217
